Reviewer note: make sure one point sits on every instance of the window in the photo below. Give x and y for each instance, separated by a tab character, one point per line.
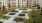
22	5
0	0
0	8
0	3
13	3
18	5
9	5
23	0
8	0
13	0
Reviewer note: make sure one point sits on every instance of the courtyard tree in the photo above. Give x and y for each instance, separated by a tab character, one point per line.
34	16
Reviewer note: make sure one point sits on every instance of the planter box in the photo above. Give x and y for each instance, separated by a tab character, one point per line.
6	17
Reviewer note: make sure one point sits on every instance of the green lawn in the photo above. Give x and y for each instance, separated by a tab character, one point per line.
6	17
3	17
21	20
26	7
29	7
18	19
1	14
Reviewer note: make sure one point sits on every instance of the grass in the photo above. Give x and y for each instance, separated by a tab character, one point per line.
26	7
29	7
18	19
21	20
26	12
26	21
1	14
5	17
34	7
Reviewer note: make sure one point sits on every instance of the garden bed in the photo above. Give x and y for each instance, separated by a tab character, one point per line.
15	11
18	19
26	12
21	15
12	13
22	9
6	17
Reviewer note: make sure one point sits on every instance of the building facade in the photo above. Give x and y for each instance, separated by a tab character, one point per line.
17	3
40	3
32	2
1	4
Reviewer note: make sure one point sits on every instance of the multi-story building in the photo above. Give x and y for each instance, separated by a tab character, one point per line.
31	2
1	4
40	3
17	3
22	3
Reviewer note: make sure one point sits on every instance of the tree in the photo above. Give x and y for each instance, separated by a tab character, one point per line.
35	16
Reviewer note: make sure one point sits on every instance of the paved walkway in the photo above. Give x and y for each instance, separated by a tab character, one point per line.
12	17
10	20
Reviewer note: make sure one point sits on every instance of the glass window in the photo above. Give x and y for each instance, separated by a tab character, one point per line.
0	8
13	3
23	0
8	0
13	0
9	5
0	0
0	3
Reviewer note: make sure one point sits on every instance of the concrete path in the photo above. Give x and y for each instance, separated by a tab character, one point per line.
10	20
12	17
